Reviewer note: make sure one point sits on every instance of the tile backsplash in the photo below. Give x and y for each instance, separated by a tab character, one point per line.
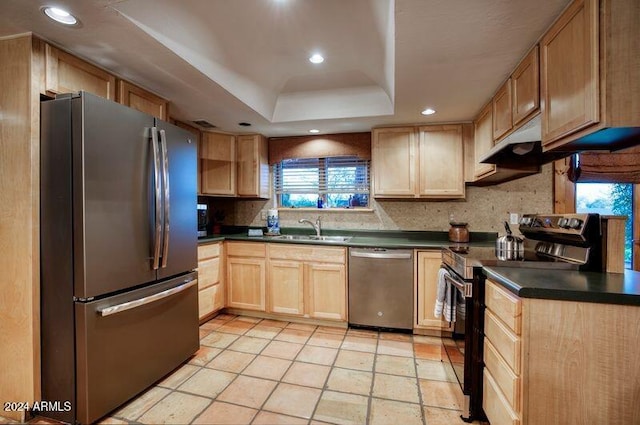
485	208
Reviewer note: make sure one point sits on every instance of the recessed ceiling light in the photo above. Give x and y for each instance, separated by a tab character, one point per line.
60	15
316	58
244	124
428	111
314	131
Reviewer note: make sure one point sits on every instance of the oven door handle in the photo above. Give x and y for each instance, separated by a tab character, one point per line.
463	286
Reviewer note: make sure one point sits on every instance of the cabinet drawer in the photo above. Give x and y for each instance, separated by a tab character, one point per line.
210	300
504	305
208	272
208	251
504	341
504	377
307	253
495	405
246	249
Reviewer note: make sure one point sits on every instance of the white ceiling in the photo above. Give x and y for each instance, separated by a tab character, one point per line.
229	61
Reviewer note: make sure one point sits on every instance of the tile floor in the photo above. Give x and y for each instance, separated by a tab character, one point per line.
253	371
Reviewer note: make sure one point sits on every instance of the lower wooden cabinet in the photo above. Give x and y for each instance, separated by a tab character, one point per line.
428	265
246	275
210	281
286	287
327	291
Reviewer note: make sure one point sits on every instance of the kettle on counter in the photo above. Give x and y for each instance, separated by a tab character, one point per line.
509	247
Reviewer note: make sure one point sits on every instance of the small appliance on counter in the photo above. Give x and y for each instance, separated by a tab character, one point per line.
203	219
273	222
458	232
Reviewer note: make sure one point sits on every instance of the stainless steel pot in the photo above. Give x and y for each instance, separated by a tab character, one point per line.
509	247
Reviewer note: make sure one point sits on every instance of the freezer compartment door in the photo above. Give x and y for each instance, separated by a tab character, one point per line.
127	342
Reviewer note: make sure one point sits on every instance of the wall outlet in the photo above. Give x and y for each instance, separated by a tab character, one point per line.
263	215
513	218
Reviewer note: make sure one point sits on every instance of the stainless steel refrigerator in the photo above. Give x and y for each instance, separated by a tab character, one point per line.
119	307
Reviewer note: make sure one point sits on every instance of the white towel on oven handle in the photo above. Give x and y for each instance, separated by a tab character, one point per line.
442	292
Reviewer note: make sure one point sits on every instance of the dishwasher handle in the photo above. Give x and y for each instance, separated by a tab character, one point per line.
382	254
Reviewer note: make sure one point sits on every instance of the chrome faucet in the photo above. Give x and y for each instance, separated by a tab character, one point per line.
317	226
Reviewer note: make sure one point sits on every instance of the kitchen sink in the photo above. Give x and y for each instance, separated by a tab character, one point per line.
314	238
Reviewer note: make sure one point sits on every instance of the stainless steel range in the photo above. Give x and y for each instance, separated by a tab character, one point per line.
569	241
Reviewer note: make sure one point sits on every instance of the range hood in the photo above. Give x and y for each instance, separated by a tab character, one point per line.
523	147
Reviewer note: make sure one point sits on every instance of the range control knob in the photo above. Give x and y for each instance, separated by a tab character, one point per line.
575	223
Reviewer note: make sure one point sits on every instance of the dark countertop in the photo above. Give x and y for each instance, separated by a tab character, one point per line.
569	285
360	238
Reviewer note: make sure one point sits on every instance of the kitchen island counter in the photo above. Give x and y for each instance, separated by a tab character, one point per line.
569	285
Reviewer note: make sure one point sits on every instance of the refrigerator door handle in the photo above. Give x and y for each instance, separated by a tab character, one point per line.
108	311
158	199
167	192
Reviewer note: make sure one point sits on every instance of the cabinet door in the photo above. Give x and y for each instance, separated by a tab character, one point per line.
246	280
393	158
142	100
65	73
441	161
327	285
569	72
218	164
286	287
525	86
428	266
502	111
252	166
483	141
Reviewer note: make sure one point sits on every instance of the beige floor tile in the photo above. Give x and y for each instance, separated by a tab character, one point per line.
318	355
248	344
293	400
395	336
385	412
441	394
332	330
261	331
424	339
342	409
235	327
204	355
105	421
248	391
362	333
357	343
435	370
395	365
322	339
429	351
213	324
231	361
395	348
306	374
201	334
224	316
218	340
436	416
178	376
355	360
248	319
293	335
275	323
282	349
267	367
176	408
302	327
142	403
226	414
207	382
269	418
350	381
395	388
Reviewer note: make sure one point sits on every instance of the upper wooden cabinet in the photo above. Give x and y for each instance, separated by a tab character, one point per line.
525	88
590	76
252	166
65	73
418	162
483	141
502	111
217	155
142	100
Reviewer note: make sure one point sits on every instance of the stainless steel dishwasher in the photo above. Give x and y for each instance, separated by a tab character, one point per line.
381	287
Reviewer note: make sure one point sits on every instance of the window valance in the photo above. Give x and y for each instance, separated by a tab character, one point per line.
327	145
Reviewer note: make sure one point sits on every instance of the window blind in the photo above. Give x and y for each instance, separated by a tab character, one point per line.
348	174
